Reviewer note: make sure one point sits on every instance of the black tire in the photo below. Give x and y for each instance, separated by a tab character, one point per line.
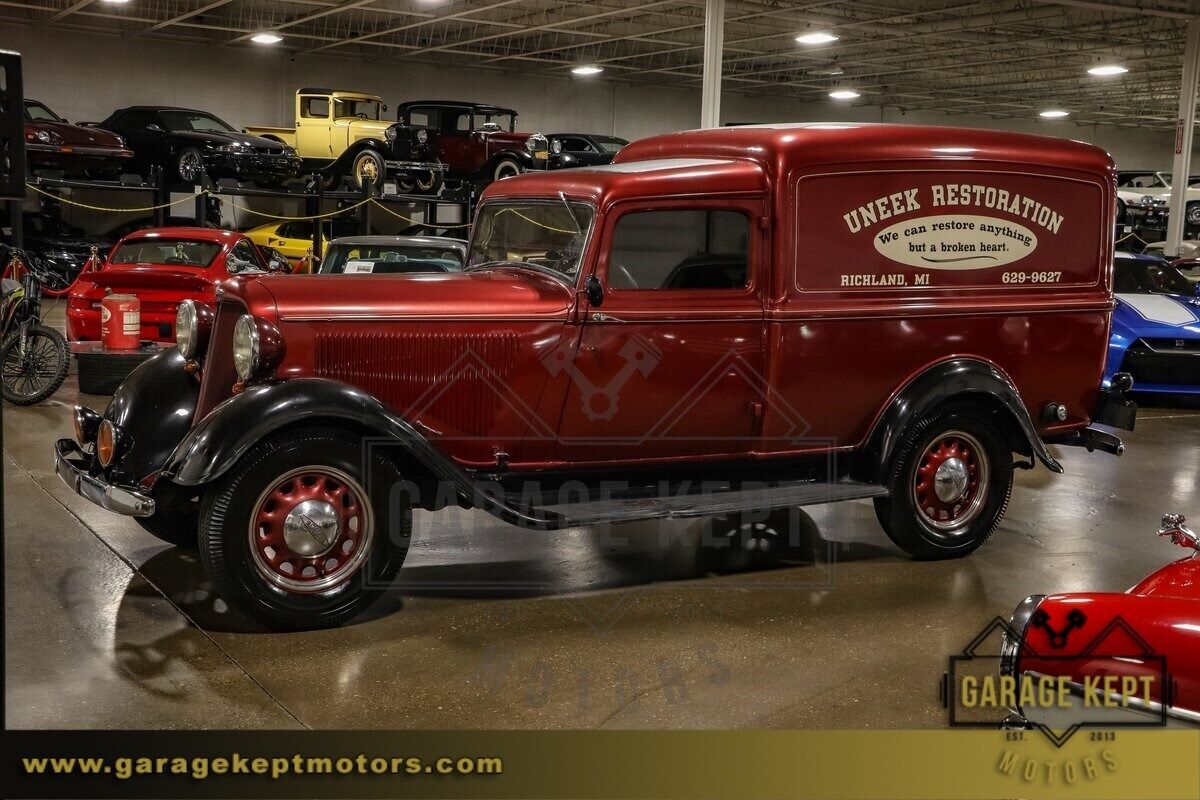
28	383
173	524
189	166
1191	215
953	527
233	504
429	182
1120	211
367	167
506	168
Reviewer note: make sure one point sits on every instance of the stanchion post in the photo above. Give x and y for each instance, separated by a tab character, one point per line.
312	207
161	196
364	211
201	206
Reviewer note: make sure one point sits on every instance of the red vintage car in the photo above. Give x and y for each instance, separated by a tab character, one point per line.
720	322
475	141
162	267
1130	658
79	152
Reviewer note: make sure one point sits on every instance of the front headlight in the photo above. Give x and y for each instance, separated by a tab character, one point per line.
422	136
236	147
555	146
391	133
185	328
1146	200
245	347
43	137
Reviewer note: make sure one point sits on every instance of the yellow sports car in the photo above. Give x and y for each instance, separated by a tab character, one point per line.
294	238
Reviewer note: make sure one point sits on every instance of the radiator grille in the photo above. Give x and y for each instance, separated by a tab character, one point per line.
217	375
459	379
1148	364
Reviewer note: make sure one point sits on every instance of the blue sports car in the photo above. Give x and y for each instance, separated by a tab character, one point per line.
1155	327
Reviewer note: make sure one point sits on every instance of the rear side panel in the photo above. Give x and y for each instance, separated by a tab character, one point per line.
887	269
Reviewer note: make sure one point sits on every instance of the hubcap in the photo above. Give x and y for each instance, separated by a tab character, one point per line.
189	166
367	170
949	486
312	530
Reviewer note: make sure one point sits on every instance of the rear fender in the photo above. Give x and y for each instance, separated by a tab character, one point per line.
962	379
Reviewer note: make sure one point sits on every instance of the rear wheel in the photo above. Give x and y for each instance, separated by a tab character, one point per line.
949	482
34	371
297	537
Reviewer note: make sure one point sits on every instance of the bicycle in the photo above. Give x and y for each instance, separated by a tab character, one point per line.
34	358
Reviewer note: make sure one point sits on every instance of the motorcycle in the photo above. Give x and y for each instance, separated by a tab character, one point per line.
34	357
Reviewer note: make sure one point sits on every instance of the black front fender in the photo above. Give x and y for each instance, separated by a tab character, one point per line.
153	409
343	162
238	424
957	379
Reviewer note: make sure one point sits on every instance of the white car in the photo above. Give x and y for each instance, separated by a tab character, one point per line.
1144	195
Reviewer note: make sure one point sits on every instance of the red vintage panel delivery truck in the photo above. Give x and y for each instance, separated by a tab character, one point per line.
719	322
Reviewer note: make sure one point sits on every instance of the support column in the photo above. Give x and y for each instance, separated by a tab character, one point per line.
714	44
1184	127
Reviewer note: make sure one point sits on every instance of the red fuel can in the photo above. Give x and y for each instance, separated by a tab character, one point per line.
120	322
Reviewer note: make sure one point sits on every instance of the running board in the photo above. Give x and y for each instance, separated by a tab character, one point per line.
715	503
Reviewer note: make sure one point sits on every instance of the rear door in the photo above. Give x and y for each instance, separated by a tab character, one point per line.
671	364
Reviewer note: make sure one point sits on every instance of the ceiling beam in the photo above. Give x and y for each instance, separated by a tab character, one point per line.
71	9
188	15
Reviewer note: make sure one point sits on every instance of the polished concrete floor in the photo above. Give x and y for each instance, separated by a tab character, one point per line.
824	624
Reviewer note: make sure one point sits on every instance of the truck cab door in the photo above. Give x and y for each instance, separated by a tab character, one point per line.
314	126
670	364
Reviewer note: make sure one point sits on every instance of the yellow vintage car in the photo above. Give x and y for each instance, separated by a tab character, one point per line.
294	238
343	134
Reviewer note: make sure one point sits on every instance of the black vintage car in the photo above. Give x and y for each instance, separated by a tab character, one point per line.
189	144
583	149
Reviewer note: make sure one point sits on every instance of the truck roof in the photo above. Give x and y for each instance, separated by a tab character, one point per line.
348	92
790	145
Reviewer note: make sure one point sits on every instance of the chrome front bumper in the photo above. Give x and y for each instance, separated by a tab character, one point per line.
75	474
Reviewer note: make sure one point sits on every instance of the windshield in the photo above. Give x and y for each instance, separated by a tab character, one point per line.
36	112
506	122
357	107
194	121
610	144
1141	277
542	234
390	259
166	251
1142	180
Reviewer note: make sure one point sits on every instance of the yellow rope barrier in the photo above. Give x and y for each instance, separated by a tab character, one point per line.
271	215
102	208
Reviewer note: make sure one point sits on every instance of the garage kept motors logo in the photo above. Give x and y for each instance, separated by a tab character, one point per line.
1098	674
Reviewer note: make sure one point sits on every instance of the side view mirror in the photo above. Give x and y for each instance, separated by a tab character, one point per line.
154	127
594	291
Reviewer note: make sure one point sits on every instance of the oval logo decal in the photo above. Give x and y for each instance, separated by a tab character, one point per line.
955	242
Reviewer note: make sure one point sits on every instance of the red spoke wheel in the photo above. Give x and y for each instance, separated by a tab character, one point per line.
311	530
305	531
948	482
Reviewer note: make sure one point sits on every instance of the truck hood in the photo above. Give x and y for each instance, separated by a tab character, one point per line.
501	293
1158	315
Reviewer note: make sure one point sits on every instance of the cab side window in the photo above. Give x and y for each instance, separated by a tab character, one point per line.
314	107
698	249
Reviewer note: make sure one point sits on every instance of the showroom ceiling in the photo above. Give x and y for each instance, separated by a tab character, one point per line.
1008	58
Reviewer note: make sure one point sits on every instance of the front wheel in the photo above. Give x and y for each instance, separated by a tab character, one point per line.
949	482
506	168
367	170
297	537
34	366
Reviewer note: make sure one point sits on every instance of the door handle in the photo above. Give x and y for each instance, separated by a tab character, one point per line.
602	317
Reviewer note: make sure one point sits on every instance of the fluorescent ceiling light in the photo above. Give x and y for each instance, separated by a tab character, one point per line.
117	2
1053	113
844	94
587	70
817	37
266	38
1108	69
